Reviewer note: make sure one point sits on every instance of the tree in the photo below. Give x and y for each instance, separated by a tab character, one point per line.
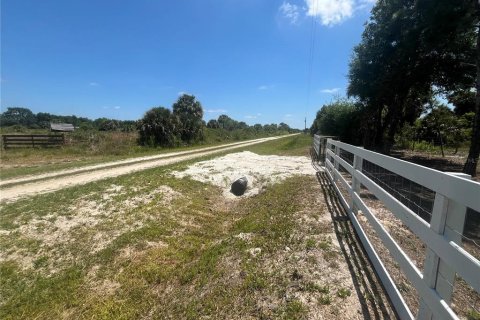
227	123
242	125
258	127
451	42
411	50
213	124
339	118
159	127
283	126
385	73
464	101
190	113
441	125
471	164
17	116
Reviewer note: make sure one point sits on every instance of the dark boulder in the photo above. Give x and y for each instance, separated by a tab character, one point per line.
239	186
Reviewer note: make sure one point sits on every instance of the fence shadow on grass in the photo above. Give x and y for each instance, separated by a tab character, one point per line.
315	161
373	299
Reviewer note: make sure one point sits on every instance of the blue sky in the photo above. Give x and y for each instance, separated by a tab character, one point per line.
248	59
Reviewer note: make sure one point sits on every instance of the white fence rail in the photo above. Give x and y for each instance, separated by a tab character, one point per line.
319	146
444	257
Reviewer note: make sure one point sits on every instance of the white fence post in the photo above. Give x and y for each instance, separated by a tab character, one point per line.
357	166
335	162
448	219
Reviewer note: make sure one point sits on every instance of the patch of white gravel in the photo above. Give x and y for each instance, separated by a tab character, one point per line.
259	170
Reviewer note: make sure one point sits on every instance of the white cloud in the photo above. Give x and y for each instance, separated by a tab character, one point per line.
365	4
116	107
258	115
332	12
290	11
331	91
216	111
265	87
288	115
93	84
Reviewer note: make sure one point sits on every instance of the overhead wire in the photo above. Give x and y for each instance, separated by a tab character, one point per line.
311	55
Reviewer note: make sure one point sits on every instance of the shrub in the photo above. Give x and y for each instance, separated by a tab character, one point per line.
159	127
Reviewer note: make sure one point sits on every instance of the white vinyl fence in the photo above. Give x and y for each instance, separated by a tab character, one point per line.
440	231
319	146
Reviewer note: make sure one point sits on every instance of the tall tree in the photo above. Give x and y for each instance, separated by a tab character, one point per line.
451	45
190	113
409	51
471	164
384	74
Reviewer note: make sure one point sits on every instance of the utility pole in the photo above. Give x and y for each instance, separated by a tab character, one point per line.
305	125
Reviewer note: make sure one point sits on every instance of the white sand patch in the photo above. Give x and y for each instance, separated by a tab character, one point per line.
244	236
110	192
259	170
97	222
168	195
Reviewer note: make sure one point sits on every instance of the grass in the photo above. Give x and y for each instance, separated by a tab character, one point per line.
473	315
343	293
147	245
68	276
299	145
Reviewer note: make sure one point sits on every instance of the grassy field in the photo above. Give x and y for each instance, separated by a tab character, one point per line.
148	245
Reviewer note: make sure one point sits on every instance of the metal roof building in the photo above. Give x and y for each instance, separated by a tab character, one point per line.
62	127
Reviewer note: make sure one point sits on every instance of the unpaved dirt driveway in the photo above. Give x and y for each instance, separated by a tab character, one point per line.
31	185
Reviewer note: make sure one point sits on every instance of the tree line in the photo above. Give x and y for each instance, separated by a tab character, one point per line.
24	118
160	126
412	52
184	124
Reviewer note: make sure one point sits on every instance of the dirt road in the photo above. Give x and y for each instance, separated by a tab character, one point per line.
49	182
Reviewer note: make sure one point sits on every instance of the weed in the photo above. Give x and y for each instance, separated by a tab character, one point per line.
325	299
313	287
343	293
310	244
40	262
325	244
294	310
473	314
254	281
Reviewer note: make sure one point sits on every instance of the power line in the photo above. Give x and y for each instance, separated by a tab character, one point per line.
311	55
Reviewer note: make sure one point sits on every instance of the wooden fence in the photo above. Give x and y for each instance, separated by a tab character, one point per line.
32	140
441	233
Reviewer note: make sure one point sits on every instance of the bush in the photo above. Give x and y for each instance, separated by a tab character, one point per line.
159	127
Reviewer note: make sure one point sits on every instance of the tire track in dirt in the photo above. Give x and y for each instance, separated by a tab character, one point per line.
55	181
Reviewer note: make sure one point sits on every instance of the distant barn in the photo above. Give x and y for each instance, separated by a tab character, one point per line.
62	127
